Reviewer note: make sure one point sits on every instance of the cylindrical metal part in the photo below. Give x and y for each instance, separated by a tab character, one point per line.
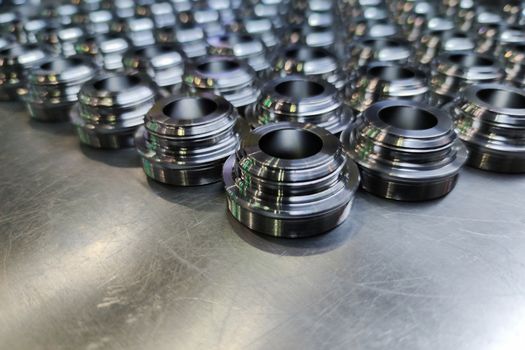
106	50
434	43
313	36
140	31
60	39
111	107
300	99
514	61
453	71
290	180
366	50
226	76
313	62
53	87
490	119
406	150
189	36
185	140
386	81
15	61
163	63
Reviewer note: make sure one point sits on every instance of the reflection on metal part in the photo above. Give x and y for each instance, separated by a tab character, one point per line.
243	46
313	36
15	62
106	50
453	71
189	36
111	107
514	62
314	62
290	180
406	150
300	99
163	63
436	42
61	40
140	31
385	81
226	76
53	87
373	28
186	139
490	119
366	50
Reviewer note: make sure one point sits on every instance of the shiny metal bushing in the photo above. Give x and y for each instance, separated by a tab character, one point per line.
226	76
493	38
106	50
290	180
435	42
406	150
189	36
15	62
262	28
53	87
386	81
243	46
300	99
366	50
490	119
453	71
185	140
373	28
514	61
140	31
162	13
61	40
163	63
313	62
313	36
111	107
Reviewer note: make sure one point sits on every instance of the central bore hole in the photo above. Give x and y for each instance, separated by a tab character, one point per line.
306	54
391	72
299	88
59	65
470	60
502	98
408	118
218	66
291	144
189	108
117	83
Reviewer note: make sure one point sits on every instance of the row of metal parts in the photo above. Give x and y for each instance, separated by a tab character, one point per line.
293	139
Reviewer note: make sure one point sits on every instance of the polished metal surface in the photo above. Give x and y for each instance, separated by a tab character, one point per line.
290	180
366	50
490	119
186	139
53	87
514	62
386	81
300	99
106	50
437	41
189	36
111	107
405	150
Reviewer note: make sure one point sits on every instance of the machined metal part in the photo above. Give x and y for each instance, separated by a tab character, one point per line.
433	43
406	150
15	61
106	50
313	62
60	39
415	19
63	14
366	50
492	38
455	70
95	22
373	28
313	36
290	180
185	140
262	28
385	81
140	31
111	107
229	77
490	119
161	13
514	61
32	28
189	36
53	87
243	46
300	99
164	63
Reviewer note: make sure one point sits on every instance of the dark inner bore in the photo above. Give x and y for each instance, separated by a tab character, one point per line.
408	118
291	144
502	98
391	72
299	88
189	108
60	65
218	66
306	53
470	60
117	83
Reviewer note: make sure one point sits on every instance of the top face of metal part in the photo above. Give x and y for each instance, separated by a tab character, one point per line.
379	49
498	102
60	70
468	66
234	44
155	56
218	72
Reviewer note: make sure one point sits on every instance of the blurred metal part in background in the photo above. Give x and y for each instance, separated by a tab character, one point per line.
189	36
490	119
53	87
514	62
300	99
365	50
406	150
111	107
290	180
106	50
185	140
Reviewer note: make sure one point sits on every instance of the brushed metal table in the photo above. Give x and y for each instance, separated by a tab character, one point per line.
95	256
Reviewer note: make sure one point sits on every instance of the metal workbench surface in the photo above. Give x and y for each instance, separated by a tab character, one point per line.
95	256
